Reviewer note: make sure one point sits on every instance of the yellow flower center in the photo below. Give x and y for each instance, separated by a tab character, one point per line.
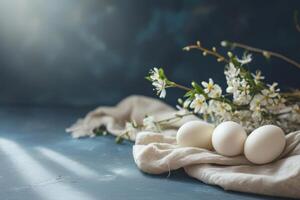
199	102
210	87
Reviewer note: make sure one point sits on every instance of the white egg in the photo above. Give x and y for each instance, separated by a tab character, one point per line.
264	144
228	138
195	134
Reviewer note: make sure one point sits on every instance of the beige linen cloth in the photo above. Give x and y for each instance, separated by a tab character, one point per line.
157	153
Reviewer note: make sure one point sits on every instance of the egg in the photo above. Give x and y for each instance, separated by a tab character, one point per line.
195	134
228	138
264	144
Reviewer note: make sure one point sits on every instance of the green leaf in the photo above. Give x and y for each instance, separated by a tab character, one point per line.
235	62
189	93
161	73
197	87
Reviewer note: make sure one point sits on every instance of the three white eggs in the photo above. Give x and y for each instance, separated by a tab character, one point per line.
229	138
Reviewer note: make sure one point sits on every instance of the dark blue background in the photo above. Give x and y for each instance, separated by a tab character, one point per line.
88	52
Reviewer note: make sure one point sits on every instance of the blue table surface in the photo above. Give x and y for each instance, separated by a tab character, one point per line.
40	161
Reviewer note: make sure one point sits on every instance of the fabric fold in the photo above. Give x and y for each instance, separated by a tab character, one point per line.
157	153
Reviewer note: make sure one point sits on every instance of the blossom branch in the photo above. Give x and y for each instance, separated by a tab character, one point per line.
293	96
248	99
149	124
176	117
265	53
206	51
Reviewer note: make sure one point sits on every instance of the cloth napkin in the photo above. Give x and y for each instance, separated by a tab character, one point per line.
156	153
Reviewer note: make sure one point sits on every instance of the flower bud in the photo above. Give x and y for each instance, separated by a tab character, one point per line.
186	49
220	59
224	43
266	54
194	84
180	101
229	54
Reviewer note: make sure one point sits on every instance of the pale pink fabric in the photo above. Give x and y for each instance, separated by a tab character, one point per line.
157	153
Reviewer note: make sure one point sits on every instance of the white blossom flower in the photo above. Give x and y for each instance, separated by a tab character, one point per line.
257	107
257	101
220	109
211	89
199	104
257	114
245	87
257	76
233	85
160	87
241	99
271	95
159	83
242	95
149	123
231	71
272	91
280	103
247	58
154	74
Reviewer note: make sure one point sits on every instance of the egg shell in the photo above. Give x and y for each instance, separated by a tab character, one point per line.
264	144
195	134
228	138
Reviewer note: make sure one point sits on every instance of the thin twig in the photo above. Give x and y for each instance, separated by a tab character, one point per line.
181	87
206	51
177	116
265	53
